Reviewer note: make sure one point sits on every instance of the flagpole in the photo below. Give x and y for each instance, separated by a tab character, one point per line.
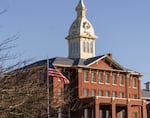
48	94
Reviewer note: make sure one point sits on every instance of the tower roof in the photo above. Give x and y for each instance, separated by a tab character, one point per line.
81	27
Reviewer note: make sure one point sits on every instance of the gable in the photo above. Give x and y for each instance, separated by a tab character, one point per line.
105	63
101	64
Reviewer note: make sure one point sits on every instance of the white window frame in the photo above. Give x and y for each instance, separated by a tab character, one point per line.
93	77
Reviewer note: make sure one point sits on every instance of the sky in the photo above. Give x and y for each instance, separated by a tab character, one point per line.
122	27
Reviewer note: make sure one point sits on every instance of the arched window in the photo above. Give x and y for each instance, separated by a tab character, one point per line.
91	47
76	47
71	49
87	47
84	47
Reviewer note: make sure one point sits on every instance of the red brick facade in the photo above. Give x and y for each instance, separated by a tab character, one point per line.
105	89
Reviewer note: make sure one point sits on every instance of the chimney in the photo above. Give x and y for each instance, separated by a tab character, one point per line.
147	84
110	55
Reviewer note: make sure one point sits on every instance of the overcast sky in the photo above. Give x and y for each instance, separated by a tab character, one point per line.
122	27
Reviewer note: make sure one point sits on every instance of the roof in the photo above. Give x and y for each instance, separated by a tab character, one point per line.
74	62
145	94
78	62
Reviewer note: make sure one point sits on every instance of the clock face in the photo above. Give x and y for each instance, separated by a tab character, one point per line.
86	25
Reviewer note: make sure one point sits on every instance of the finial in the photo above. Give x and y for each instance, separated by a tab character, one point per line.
81	9
81	6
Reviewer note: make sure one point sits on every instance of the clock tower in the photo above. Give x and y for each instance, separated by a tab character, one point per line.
81	38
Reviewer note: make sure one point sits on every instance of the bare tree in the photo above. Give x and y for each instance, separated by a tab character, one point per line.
27	88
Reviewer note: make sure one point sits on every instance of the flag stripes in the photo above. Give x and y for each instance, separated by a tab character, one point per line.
55	73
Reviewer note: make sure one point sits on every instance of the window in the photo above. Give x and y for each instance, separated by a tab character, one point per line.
122	114
114	94
93	77
121	80
101	93
100	78
114	79
91	47
101	114
59	93
59	113
86	113
84	47
107	113
76	47
93	113
88	47
134	96
73	47
107	78
86	92
134	114
59	79
121	94
107	93
86	76
134	84
94	92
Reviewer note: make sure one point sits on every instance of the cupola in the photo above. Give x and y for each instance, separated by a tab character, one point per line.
81	38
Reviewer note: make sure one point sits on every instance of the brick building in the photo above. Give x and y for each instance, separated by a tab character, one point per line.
102	87
146	96
99	86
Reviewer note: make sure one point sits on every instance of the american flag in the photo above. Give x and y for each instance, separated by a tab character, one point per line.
55	73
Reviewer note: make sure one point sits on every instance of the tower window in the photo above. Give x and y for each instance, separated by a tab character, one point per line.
91	47
88	47
71	47
84	47
74	47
